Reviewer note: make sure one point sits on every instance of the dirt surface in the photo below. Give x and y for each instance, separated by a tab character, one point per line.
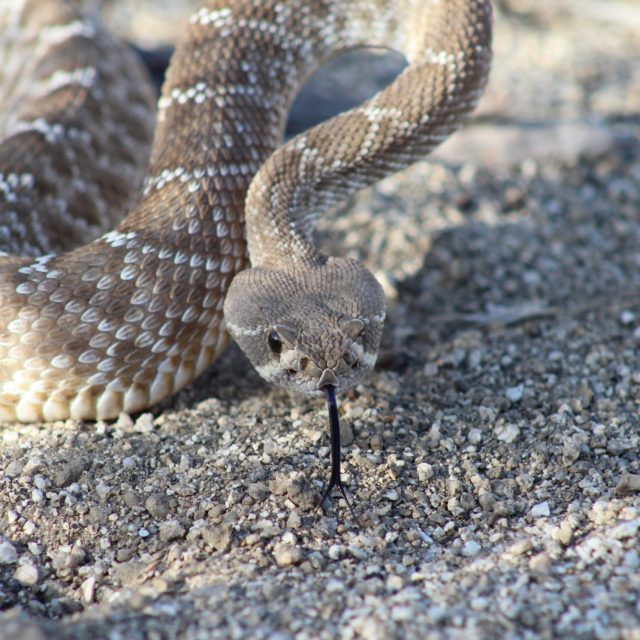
492	458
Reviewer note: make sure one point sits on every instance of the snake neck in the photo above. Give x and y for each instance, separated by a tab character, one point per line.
319	168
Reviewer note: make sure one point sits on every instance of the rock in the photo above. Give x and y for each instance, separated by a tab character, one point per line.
514	394
171	530
125	554
34	465
286	555
564	534
258	491
541	563
471	548
628	483
346	433
88	589
336	551
507	433
391	495
487	501
98	514
157	504
14	469
394	582
131	499
294	520
67	558
627	317
8	553
425	471
144	422
124	421
69	472
26	574
102	489
218	537
521	547
541	510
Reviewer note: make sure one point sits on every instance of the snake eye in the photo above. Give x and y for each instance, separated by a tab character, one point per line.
275	342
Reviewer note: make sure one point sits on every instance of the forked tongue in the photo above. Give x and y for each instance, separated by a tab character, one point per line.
335	481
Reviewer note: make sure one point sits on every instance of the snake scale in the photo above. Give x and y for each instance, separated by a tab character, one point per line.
119	323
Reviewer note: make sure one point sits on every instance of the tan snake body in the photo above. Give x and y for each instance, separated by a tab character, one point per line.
128	319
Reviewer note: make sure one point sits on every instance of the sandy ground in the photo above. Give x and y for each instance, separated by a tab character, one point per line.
492	458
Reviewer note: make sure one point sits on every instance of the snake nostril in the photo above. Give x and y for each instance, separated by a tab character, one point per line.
302	363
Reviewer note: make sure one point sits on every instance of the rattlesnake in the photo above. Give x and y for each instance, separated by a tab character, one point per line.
128	319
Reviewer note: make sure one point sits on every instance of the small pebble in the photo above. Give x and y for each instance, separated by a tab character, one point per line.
157	504
171	530
628	483
425	471
286	554
102	489
541	563
507	433
33	466
358	553
564	534
627	317
514	394
124	421
218	537
14	469
258	491
144	422
69	472
346	433
8	553
394	582
336	551
294	521
88	589
541	510
520	547
26	574
471	548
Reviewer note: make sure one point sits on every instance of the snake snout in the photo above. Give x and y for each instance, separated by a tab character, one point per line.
328	378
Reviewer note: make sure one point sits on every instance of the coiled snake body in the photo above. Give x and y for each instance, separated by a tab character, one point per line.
128	319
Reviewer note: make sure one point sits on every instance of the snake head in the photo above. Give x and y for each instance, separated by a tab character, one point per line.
305	329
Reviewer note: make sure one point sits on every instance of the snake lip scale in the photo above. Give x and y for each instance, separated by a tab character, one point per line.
212	230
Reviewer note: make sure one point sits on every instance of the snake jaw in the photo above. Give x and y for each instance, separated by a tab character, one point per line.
306	372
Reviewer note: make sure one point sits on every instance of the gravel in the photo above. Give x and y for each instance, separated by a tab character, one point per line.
492	458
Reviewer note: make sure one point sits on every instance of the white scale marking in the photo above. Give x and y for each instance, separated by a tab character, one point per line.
82	76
